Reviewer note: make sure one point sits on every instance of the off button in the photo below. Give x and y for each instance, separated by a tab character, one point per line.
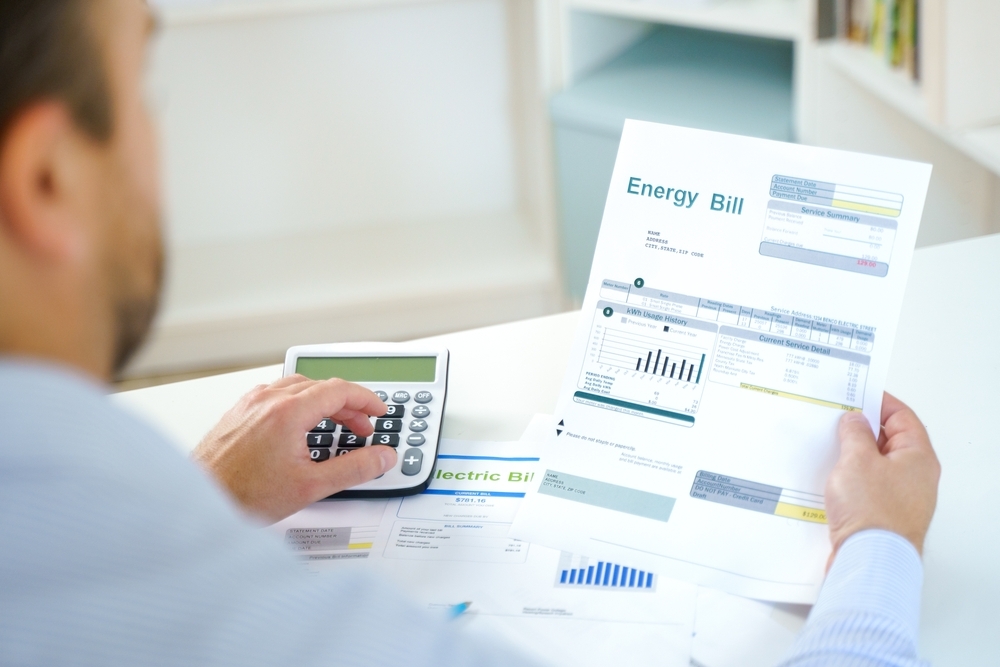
412	460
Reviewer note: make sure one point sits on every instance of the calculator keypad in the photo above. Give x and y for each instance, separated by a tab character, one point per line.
326	440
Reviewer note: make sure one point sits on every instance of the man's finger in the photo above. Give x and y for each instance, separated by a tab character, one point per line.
890	406
856	437
360	466
358	422
904	429
329	397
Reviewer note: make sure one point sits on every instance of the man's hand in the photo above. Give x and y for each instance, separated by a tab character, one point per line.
258	451
890	483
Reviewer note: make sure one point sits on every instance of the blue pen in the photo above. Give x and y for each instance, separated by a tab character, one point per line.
458	609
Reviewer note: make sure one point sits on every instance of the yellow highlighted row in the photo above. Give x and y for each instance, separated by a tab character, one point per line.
800	512
798	397
867	208
360	545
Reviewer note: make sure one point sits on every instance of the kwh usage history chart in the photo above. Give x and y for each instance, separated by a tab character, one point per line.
646	363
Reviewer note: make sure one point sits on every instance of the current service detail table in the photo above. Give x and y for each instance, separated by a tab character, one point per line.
945	365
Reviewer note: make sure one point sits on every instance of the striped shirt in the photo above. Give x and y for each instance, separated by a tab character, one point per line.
868	612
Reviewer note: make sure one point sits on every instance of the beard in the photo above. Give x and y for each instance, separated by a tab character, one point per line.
136	277
133	319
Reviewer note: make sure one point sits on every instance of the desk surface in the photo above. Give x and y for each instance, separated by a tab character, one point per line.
946	365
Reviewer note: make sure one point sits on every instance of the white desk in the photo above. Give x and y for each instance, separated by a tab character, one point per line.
946	366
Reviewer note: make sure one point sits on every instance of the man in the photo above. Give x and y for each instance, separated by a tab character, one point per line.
115	550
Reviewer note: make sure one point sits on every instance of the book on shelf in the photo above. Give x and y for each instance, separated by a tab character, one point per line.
890	28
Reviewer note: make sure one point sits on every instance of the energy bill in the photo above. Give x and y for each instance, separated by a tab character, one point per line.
744	294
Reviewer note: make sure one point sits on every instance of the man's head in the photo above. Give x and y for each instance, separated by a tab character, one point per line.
80	248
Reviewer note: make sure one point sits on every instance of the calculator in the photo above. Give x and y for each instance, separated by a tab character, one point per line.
412	380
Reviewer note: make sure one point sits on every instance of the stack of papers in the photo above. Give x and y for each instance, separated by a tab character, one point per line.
449	545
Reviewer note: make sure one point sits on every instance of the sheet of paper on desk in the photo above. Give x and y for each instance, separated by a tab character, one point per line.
744	294
450	545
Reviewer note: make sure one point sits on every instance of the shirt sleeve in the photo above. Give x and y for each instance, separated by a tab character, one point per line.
868	612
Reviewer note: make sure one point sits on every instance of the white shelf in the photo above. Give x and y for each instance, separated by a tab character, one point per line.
249	300
895	89
777	19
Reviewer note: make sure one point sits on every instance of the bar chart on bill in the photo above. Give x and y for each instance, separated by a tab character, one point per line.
581	572
646	363
650	356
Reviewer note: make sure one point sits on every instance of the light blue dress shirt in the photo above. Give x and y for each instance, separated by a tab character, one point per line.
868	612
116	550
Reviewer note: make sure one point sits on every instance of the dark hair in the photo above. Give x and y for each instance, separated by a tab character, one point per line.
48	51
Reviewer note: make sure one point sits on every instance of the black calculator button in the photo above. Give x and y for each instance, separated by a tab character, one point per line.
412	460
421	411
326	426
388	425
341	452
319	439
388	439
351	440
423	397
418	425
319	454
382	396
415	439
400	397
394	411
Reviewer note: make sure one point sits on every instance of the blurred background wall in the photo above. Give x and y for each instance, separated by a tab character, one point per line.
386	169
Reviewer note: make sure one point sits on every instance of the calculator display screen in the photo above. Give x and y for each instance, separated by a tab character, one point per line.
368	369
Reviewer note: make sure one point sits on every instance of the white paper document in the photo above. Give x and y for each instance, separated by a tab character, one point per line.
744	294
450	545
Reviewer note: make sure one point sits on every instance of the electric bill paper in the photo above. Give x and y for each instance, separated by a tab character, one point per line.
449	545
744	294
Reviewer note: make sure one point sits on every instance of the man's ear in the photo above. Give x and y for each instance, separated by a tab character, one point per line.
44	184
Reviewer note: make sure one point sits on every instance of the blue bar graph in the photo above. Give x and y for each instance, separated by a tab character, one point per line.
576	572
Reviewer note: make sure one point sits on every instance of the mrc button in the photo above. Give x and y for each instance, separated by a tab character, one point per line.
412	460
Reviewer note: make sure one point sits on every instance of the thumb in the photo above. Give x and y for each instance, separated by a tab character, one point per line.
856	437
360	466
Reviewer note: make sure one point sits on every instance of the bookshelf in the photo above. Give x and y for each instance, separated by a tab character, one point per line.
898	91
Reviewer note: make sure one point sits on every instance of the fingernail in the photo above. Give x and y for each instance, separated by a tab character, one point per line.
388	457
